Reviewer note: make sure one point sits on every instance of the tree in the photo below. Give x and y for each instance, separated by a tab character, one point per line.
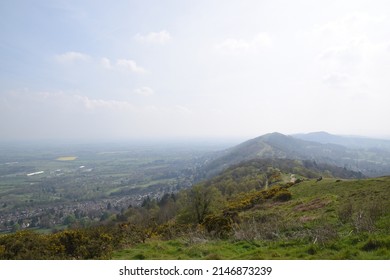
70	219
15	227
198	202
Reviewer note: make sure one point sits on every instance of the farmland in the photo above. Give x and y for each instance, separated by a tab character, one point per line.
51	186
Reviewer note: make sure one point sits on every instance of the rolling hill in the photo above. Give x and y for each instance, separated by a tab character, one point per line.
371	162
354	142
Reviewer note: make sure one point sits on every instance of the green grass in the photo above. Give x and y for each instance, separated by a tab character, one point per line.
361	247
312	225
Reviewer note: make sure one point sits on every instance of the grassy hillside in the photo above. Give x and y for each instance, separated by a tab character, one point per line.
329	219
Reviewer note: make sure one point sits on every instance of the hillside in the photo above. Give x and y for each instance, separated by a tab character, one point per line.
276	145
261	173
259	209
318	221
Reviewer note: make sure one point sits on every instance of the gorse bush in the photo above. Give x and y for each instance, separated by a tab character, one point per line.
246	201
282	195
219	226
91	243
26	245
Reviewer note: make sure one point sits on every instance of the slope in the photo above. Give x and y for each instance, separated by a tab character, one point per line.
327	219
287	219
276	145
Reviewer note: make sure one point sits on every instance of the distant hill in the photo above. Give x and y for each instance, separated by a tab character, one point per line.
371	162
347	141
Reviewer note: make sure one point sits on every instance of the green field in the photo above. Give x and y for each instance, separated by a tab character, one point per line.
100	176
67	158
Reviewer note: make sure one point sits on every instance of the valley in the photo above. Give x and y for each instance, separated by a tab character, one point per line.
45	188
272	197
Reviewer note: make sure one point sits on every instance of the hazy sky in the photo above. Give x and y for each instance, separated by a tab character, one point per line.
193	69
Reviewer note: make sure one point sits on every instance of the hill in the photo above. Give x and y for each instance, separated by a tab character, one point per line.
259	209
355	142
308	219
262	173
370	162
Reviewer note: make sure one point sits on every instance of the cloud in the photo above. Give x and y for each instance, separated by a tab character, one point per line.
262	40
70	57
238	46
66	101
350	38
336	80
348	25
130	65
95	104
66	115
144	91
183	109
106	63
160	38
343	53
357	50
71	100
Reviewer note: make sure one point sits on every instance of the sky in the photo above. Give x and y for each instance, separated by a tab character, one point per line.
109	70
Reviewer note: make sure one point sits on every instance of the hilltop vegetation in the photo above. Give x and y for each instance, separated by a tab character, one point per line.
260	209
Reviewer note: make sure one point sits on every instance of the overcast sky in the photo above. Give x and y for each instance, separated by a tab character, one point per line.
193	69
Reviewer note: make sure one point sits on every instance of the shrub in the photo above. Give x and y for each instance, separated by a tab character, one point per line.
219	226
324	233
282	195
345	212
171	229
262	227
91	243
24	245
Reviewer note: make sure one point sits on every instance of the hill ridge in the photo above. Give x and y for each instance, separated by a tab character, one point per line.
277	145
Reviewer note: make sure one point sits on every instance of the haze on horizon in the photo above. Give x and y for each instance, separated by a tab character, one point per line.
193	69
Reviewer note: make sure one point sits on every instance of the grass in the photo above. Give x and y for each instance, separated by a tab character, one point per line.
362	247
347	219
